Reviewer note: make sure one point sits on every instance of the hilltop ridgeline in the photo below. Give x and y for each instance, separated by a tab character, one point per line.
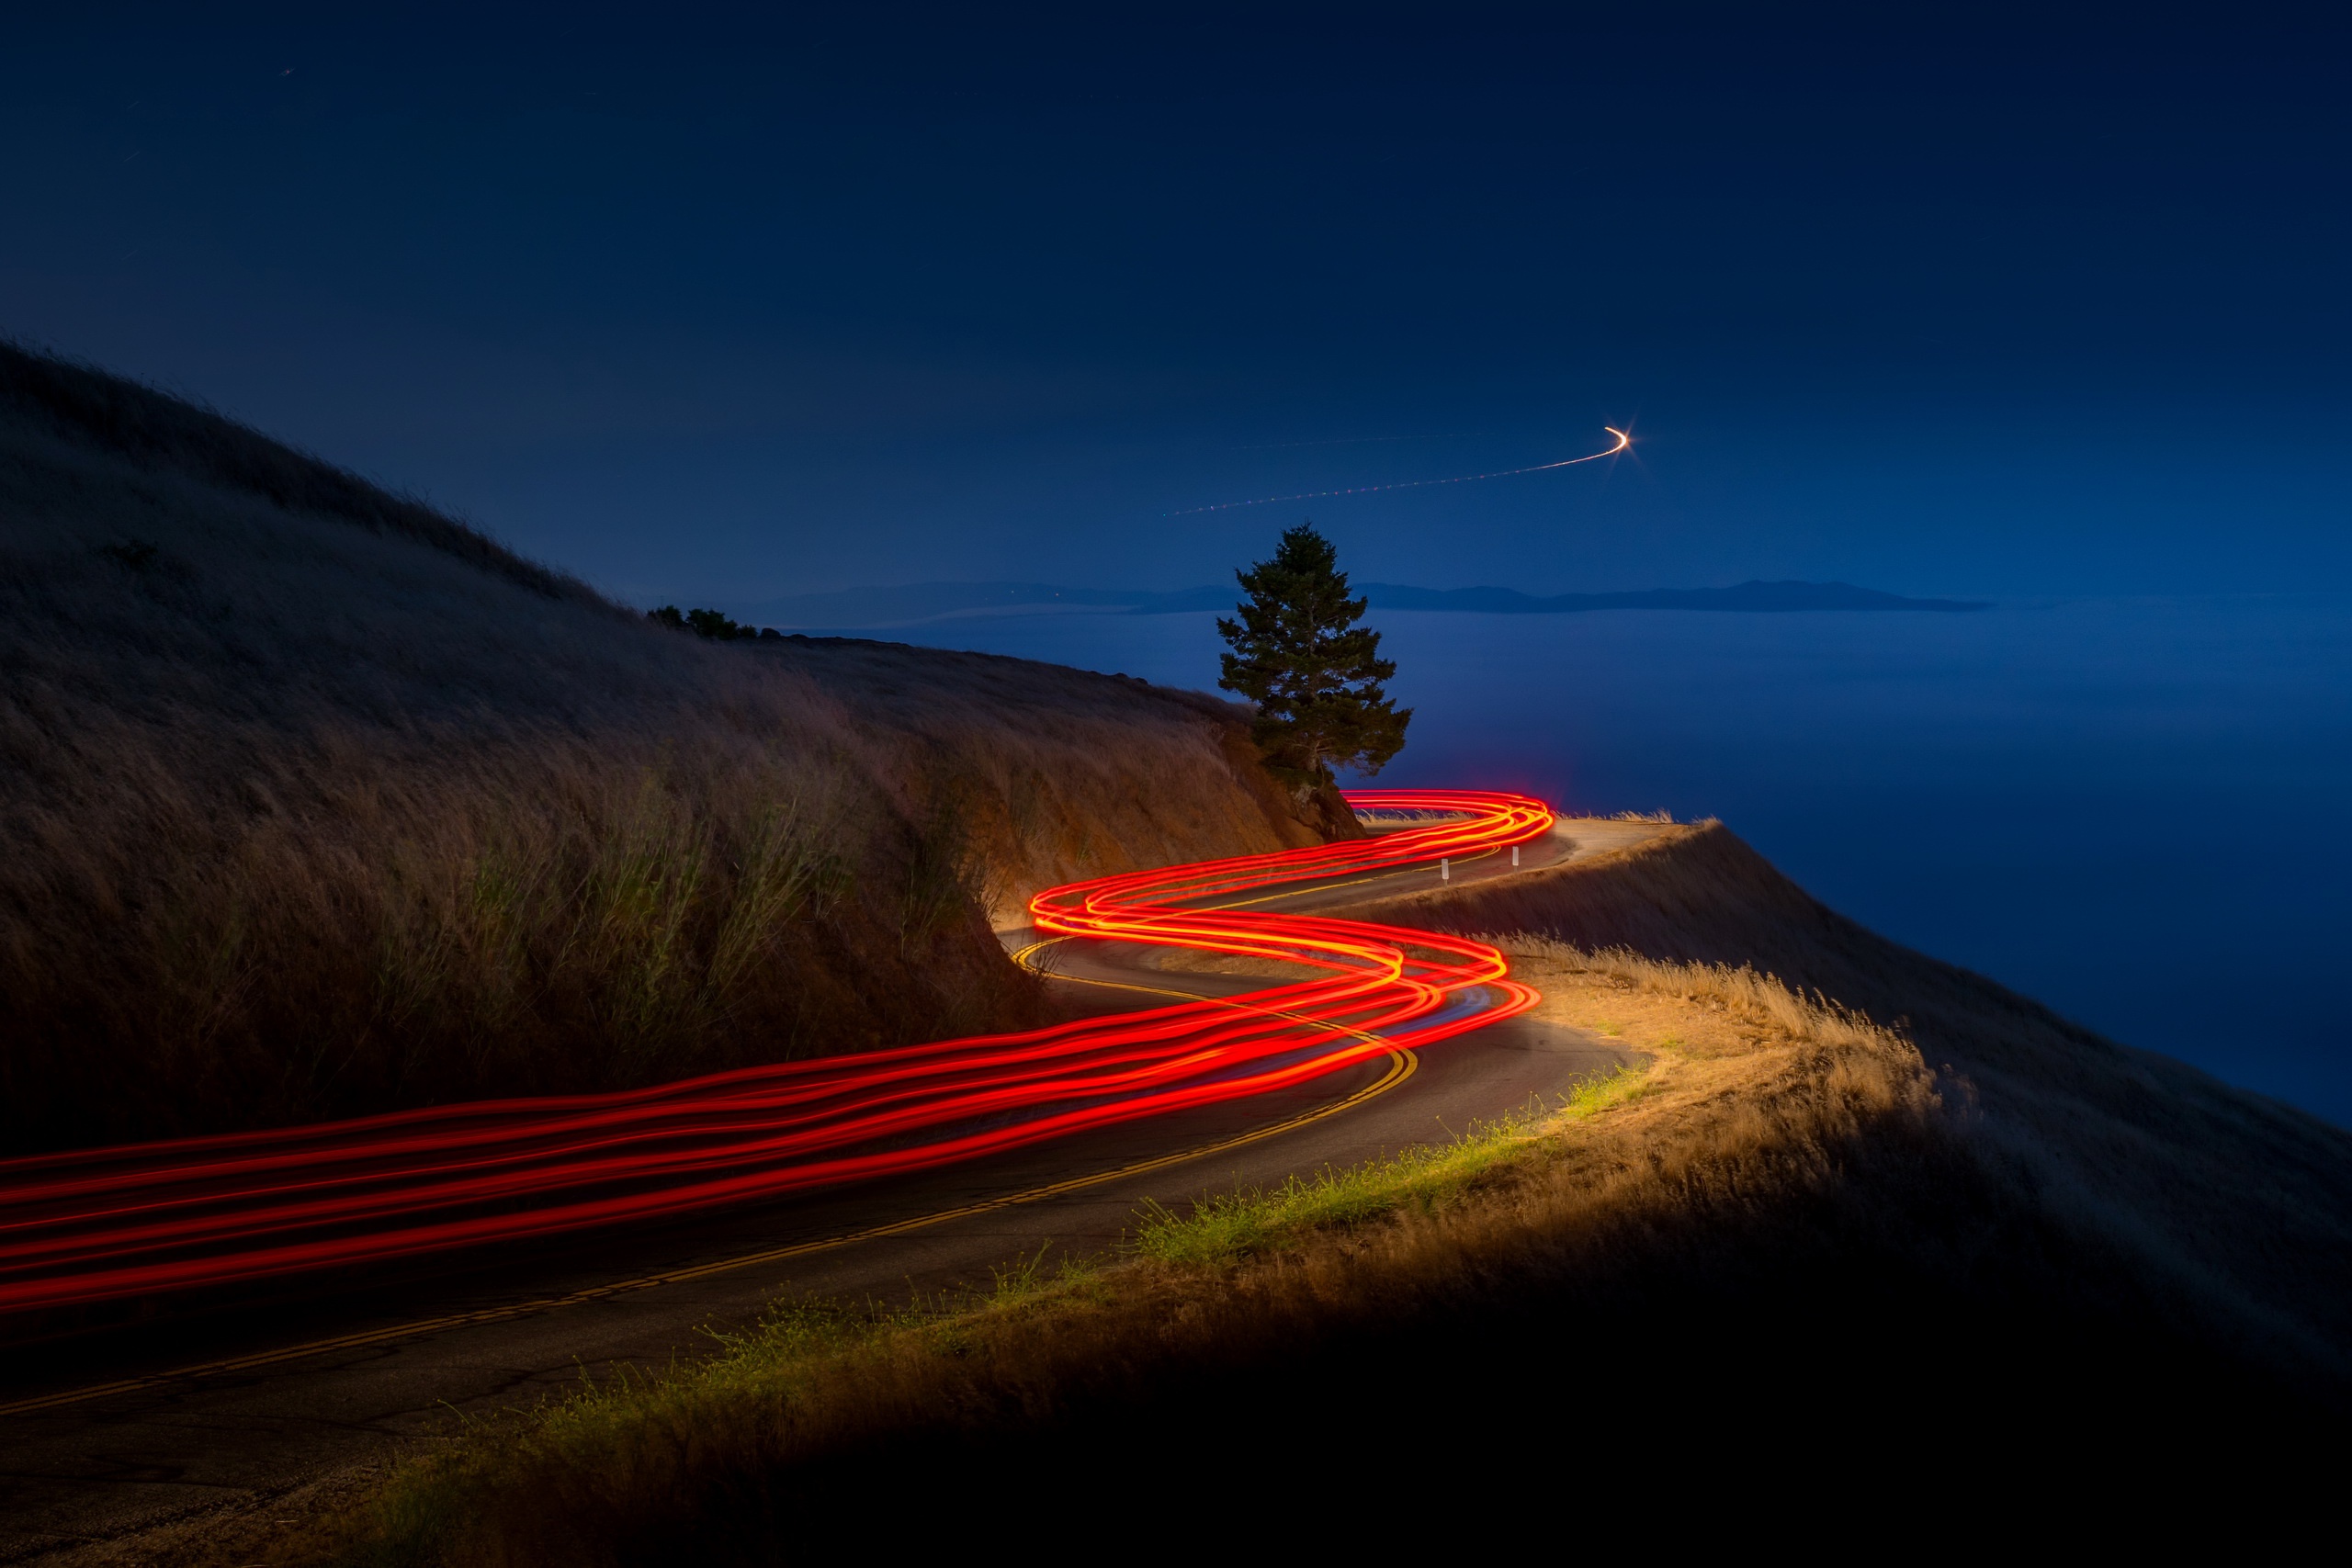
919	602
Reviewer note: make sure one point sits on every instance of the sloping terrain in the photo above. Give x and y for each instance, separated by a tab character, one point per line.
1782	1260
1829	1281
315	802
2238	1208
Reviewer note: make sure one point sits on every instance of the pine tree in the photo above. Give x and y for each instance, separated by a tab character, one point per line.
1314	673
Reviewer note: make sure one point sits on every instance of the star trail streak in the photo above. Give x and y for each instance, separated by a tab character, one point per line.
153	1219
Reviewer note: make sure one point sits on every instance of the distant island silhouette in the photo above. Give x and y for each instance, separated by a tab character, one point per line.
917	603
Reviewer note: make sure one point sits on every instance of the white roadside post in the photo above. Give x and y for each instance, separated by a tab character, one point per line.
1514	854
1444	869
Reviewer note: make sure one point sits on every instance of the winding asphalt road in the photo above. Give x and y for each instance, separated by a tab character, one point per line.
109	1434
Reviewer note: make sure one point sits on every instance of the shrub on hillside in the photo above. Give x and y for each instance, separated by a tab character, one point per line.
709	624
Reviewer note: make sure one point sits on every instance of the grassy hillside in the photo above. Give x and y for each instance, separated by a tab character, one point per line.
314	801
1781	1272
2234	1208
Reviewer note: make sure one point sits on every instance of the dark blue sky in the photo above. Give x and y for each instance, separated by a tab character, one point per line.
2042	301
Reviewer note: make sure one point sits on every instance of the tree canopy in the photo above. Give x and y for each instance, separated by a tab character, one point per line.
1315	674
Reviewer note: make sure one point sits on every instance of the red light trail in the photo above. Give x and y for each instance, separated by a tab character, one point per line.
149	1219
1624	441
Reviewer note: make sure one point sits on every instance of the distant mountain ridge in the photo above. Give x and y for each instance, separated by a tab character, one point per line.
1751	595
868	609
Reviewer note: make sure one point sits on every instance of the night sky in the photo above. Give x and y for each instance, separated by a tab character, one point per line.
2011	303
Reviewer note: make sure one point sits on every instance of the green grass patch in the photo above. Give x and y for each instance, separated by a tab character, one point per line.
804	1359
602	1427
1231	1225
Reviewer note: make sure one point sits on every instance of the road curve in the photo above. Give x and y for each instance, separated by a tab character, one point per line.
106	1433
181	1215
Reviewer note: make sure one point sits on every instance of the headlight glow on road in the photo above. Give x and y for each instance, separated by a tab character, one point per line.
149	1218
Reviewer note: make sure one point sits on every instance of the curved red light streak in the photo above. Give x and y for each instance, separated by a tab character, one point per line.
152	1218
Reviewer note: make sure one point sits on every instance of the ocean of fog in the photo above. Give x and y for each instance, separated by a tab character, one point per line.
2134	810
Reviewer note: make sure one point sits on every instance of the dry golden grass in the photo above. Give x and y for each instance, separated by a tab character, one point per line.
324	803
1797	1250
2221	1198
1754	1097
314	802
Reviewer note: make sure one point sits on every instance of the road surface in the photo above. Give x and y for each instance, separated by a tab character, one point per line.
106	1435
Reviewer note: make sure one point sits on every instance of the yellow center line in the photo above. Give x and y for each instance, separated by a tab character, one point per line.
1402	1064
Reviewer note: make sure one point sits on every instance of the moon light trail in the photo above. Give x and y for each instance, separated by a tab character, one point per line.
149	1220
1624	441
